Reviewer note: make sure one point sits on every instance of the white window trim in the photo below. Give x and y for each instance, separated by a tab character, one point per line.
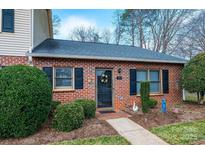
63	88
0	20
148	79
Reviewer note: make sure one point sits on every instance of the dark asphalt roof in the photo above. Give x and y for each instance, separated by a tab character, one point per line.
102	51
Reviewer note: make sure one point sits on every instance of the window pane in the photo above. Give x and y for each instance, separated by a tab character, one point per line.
138	88
141	75
154	75
63	83
63	72
154	87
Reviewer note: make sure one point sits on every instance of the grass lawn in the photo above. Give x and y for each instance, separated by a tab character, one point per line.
182	133
102	140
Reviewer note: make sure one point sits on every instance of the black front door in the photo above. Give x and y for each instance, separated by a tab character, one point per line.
104	88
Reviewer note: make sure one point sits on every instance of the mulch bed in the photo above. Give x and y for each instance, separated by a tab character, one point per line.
91	128
180	113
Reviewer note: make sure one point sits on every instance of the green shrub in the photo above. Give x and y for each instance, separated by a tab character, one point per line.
25	100
193	78
68	117
144	93
152	102
54	105
89	107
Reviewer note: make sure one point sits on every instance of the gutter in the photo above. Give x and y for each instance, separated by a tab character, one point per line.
48	55
32	38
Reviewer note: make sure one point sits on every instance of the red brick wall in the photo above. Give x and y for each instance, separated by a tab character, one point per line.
121	87
13	60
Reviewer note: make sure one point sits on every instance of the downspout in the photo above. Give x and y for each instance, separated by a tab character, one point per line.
183	91
32	37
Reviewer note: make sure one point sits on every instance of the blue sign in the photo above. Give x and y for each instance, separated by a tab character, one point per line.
164	106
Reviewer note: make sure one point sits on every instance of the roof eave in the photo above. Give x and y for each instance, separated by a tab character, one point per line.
102	58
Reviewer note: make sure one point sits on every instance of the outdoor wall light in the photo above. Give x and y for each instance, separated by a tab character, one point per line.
119	70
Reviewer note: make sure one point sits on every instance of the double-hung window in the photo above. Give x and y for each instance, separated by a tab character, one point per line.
63	78
153	76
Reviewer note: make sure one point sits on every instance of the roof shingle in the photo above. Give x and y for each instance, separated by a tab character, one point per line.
90	50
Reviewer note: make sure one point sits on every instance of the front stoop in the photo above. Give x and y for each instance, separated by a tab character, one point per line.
135	133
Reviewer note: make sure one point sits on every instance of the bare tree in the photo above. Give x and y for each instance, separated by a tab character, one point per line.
164	30
119	30
106	36
154	29
191	40
129	23
85	34
199	28
93	35
56	21
79	33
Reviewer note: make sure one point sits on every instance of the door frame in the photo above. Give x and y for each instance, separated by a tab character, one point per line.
96	89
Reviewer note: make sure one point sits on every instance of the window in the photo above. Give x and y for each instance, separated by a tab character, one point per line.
7	20
141	76
63	78
149	75
154	78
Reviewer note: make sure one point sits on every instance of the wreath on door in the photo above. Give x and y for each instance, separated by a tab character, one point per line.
104	78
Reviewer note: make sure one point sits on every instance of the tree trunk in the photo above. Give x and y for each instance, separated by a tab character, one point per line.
198	97
201	98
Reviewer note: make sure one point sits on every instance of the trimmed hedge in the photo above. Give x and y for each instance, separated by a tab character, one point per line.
68	117
89	107
146	101
25	100
144	93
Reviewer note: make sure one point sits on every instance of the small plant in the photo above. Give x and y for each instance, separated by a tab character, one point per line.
89	107
144	93
152	102
68	117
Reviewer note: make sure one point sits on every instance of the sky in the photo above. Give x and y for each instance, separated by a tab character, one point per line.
100	19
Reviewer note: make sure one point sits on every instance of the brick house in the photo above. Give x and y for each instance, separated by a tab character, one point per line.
108	73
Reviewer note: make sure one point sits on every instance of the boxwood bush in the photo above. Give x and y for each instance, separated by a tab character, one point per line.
25	100
89	107
68	117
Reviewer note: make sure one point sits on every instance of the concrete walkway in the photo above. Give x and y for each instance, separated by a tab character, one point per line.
134	133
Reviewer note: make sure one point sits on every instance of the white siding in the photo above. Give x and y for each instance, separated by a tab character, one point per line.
41	27
19	42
